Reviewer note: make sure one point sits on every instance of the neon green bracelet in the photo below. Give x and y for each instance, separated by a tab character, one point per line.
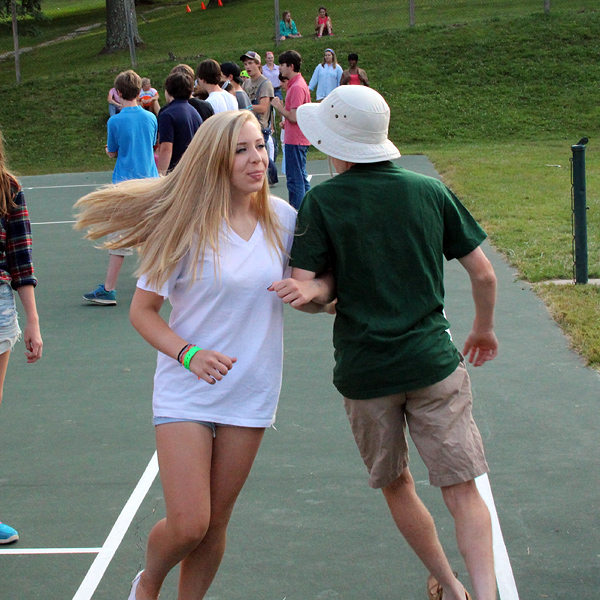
189	355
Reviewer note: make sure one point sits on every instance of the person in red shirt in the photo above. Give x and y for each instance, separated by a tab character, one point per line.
353	75
296	144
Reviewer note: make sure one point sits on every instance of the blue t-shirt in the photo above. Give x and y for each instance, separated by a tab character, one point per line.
132	134
178	123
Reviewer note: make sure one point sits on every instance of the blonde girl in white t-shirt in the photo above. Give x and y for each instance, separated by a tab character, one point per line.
212	241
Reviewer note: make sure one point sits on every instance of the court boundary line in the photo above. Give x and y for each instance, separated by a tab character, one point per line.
53	222
115	537
21	551
505	580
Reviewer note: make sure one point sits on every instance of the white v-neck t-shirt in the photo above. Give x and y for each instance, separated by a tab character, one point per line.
230	310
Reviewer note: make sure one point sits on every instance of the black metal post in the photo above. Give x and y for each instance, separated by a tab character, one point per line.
579	212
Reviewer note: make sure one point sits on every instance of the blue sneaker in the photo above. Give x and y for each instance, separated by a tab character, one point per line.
101	296
8	535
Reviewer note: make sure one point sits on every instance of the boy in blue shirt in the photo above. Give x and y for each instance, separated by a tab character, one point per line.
131	138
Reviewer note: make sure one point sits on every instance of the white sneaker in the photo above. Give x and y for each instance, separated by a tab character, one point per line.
134	585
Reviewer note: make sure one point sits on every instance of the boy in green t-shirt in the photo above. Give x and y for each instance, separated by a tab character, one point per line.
375	238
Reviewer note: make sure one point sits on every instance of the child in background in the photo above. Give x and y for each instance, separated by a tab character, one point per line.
283	83
149	97
287	27
354	75
323	23
16	273
114	104
131	138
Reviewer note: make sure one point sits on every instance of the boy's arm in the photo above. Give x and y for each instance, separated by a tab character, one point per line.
165	151
263	106
481	344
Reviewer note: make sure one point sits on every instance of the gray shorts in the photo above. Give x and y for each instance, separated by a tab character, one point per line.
441	425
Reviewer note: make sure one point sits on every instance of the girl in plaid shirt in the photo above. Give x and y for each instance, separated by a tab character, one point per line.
16	272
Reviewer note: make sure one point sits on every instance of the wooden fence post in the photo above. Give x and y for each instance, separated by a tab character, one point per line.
411	12
547	6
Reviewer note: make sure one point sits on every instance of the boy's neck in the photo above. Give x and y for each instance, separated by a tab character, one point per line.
212	87
125	103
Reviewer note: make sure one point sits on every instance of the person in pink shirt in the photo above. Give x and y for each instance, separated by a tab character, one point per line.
296	144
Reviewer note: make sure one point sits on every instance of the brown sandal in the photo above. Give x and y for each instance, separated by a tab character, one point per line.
435	591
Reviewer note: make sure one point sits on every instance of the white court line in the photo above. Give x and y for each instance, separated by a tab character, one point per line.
115	537
60	187
53	222
507	588
50	550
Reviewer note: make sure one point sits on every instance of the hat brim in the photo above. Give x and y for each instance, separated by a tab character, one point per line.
338	146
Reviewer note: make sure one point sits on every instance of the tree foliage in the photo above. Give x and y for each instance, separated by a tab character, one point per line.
24	7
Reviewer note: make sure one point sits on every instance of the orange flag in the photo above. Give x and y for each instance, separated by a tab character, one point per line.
187	8
202	6
220	3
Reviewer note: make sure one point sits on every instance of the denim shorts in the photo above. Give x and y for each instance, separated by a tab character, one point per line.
9	326
162	420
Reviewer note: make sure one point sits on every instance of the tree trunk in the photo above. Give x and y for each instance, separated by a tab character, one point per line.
116	25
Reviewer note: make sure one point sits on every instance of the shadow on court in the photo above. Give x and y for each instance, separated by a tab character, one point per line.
76	436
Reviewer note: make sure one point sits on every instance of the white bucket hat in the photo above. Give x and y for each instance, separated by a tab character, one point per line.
350	124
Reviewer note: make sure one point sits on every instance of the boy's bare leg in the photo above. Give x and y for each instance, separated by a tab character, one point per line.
115	262
474	536
416	525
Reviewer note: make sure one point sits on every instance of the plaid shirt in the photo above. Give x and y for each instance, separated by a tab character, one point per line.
16	267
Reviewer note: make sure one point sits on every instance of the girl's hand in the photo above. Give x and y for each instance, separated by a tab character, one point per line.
33	342
210	365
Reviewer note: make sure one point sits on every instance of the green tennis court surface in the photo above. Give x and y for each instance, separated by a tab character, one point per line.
76	439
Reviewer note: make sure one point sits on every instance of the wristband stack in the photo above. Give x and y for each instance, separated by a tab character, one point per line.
186	354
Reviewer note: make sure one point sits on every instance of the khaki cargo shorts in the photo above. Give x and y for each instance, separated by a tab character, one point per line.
440	424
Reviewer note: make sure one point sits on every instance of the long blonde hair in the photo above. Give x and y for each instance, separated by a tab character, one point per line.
8	183
166	218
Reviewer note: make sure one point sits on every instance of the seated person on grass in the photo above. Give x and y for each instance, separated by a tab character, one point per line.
323	23
149	97
287	27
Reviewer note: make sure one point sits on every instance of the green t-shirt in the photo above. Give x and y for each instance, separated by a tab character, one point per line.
384	231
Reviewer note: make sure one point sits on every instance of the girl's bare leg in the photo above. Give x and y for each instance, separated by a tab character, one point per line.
115	262
3	366
184	455
234	451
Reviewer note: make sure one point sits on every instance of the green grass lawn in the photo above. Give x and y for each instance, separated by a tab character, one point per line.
495	95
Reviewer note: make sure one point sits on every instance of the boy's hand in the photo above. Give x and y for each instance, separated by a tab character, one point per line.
277	104
293	292
480	347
